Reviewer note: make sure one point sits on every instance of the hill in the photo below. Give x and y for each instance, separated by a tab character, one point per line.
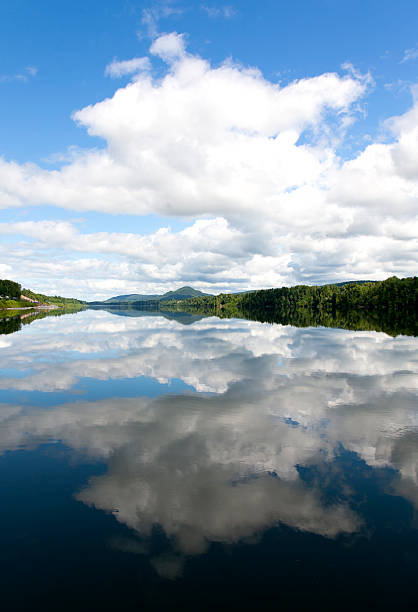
390	305
392	293
184	293
13	296
50	299
132	297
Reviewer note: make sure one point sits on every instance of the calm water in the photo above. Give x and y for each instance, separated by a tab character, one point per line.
154	463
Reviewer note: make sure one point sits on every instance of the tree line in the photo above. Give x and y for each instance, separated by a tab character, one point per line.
390	305
50	299
10	289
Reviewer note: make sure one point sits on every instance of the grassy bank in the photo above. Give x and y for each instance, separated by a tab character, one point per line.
6	304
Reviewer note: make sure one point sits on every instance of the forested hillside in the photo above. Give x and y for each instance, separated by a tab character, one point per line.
389	305
50	299
179	294
11	297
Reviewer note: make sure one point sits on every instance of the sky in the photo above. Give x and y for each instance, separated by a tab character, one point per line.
228	146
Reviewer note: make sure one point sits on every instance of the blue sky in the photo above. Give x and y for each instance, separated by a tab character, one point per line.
299	176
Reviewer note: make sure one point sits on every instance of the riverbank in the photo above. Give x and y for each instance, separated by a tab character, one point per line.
38	307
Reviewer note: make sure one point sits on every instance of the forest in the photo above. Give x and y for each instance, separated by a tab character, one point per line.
50	299
389	305
9	289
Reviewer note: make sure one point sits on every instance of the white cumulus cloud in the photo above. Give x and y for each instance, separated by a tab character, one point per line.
168	46
253	166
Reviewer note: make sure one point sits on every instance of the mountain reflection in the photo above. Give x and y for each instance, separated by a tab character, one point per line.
228	460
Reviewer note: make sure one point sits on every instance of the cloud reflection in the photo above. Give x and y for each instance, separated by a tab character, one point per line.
225	465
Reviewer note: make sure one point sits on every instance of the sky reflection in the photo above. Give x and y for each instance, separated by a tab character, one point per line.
230	456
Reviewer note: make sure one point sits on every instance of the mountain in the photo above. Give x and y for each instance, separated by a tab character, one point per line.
182	294
179	294
132	297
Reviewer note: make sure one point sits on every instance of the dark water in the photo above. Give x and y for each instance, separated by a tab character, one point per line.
150	463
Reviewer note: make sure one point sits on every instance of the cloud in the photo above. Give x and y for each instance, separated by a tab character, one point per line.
410	54
213	237
136	64
32	70
201	253
169	47
201	140
23	77
149	19
219	11
152	15
211	356
203	467
225	465
211	254
253	166
168	565
5	269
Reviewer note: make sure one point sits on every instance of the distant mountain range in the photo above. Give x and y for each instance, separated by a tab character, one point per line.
179	294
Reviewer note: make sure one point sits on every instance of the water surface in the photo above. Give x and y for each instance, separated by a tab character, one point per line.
160	462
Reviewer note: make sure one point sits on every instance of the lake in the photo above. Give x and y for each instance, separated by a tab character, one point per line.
154	462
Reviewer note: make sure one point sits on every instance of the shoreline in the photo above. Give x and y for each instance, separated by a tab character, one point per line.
41	307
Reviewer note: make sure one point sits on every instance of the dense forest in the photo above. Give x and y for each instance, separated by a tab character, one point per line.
9	289
389	305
